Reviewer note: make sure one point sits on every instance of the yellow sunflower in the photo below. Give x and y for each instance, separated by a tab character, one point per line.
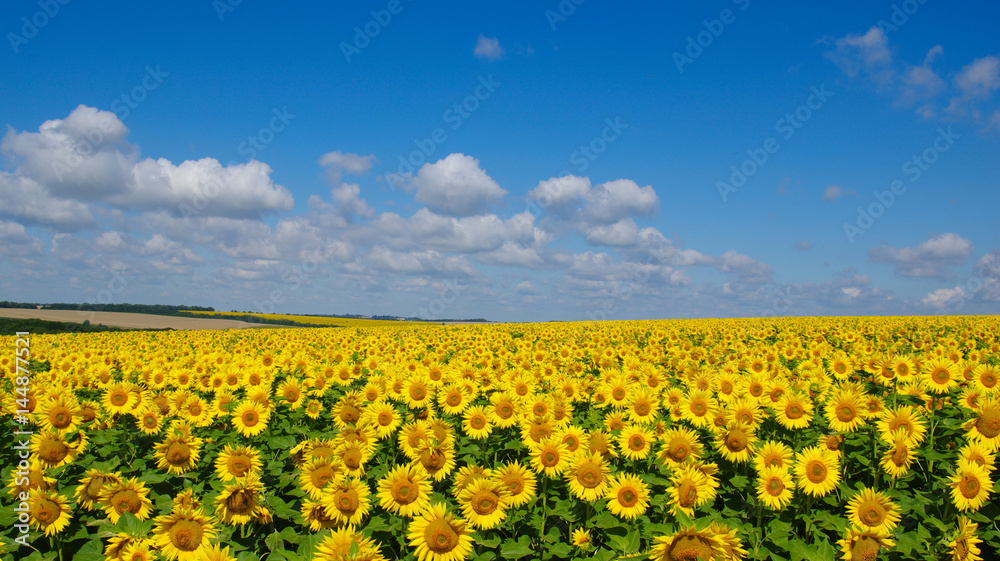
844	411
519	481
237	462
550	457
250	418
405	490
242	502
678	445
873	510
965	545
484	503
383	417
636	442
438	535
818	471
317	473
897	459
49	511
775	487
691	488
476	422
697	408
772	454
905	418
346	543
177	453
734	442
88	492
688	543
794	411
581	539
183	534
970	486
314	513
985	428
628	496
863	545
940	375
127	495
52	450
587	476
347	502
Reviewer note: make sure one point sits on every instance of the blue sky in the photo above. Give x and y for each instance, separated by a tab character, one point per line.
566	160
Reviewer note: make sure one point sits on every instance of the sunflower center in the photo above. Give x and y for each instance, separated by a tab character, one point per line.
477	422
250	418
550	458
899	455
240	503
403	491
119	399
46	511
736	441
239	465
149	421
636	442
846	412
642	408
485	503
589	474
628	497
687	494
178	454
347	501
865	549
679	449
699	408
440	536
321	476
350	414
514	484
126	500
969	487
417	393
384	419
988	423
53	451
775	486
60	419
505	411
432	460
872	513
690	548
941	375
816	471
794	411
186	535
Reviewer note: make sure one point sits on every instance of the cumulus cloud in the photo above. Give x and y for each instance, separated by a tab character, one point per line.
16	242
868	53
337	163
456	186
928	259
803	245
976	82
602	213
834	192
488	48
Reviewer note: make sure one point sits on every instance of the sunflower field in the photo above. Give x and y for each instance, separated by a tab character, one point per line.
794	438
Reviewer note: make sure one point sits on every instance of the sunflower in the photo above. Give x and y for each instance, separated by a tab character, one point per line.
897	459
628	496
60	414
242	502
863	545
453	399
126	495
417	392
347	502
476	422
314	408
149	420
697	408
317	473
734	442
237	462
818	470
970	486
49	511
794	411
965	545
844	411
196	411
573	437
185	500
414	437
979	453
636	442
484	503
902	418
346	543
603	443
774	487
383	417
678	445
581	539
405	490
437	461
250	418
519	481
119	398
985	428
643	405
314	513
873	510
745	410
688	543
52	450
550	457
88	492
177	453
183	534
466	475
986	377
504	410
940	375
290	393
691	488
347	411
772	454
587	476
139	552
215	553
438	535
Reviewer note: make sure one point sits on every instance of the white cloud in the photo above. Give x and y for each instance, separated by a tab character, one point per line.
929	259
16	242
943	296
834	192
337	163
456	186
488	48
976	82
855	53
24	200
622	233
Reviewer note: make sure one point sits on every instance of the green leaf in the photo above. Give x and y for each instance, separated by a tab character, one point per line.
491	543
561	550
800	551
90	551
516	549
283	442
274	542
906	543
740	482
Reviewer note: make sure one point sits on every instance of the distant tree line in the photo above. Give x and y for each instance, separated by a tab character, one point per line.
155	309
250	318
10	326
